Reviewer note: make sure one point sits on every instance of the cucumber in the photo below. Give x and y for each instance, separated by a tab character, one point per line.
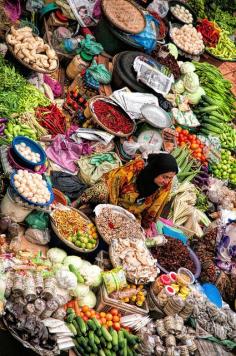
208	100
76	272
101	353
125	352
208	108
91	337
129	352
72	328
103	341
108	352
70	318
81	324
91	325
74	322
80	349
70	311
132	339
212	128
114	337
107	336
98	325
82	341
211	122
109	345
96	340
206	132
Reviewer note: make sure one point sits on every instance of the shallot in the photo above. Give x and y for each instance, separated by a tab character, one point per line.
182	13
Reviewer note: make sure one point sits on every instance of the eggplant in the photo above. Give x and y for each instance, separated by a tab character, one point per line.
2	128
3	119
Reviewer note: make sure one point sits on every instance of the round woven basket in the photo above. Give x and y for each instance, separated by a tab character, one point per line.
96	119
124	15
44	71
70	244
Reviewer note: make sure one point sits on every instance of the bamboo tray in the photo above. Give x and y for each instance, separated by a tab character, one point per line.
71	244
96	119
44	71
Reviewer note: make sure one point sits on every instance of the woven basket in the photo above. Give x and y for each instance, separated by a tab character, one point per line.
68	243
96	119
124	15
44	71
153	303
105	303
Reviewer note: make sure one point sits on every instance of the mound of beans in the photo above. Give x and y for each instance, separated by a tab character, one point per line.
173	255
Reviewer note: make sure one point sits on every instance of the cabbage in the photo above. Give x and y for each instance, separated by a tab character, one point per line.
80	291
178	87
194	98
173	50
56	255
66	279
89	300
191	82
92	276
84	267
73	260
187	67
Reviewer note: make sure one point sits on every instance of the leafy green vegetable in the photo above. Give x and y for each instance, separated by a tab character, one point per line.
16	94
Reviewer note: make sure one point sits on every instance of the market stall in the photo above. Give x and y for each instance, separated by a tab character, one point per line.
118	178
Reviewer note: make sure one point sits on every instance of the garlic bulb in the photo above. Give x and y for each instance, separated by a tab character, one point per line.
27	153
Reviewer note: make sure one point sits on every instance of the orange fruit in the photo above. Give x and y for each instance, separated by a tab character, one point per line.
93	313
88	314
116	318
102	315
109	323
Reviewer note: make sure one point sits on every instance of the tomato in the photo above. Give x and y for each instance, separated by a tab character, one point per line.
103	321
85	308
82	314
85	318
182	144
194	146
93	313
178	129
102	315
116	318
97	316
116	326
185	132
109	316
114	311
88	314
109	323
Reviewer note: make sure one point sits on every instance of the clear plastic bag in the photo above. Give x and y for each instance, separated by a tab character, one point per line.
161	7
36	236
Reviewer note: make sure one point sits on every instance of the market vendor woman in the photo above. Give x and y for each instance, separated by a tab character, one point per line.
142	189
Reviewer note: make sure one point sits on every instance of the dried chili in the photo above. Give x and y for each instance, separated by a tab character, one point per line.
51	118
112	117
173	255
210	33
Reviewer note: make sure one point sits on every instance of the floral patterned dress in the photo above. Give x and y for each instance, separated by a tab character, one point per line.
118	187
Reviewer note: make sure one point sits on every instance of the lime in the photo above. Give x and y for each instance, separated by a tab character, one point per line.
89	246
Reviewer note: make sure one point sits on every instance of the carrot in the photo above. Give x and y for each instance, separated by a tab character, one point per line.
77	308
70	304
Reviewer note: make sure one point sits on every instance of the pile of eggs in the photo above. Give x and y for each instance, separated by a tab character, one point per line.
182	13
27	153
32	187
188	39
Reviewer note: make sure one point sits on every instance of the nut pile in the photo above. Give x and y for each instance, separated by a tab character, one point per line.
31	49
114	225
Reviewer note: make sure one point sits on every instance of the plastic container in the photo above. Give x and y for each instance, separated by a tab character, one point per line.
9	207
164	295
185	277
78	64
173	277
160	282
35	147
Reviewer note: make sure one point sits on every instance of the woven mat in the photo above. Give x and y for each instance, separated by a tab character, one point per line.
209	348
124	15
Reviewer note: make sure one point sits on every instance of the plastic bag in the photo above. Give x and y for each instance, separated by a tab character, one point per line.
38	237
148	37
99	72
114	280
159	6
37	220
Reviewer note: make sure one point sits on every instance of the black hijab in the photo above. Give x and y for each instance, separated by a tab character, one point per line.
156	164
